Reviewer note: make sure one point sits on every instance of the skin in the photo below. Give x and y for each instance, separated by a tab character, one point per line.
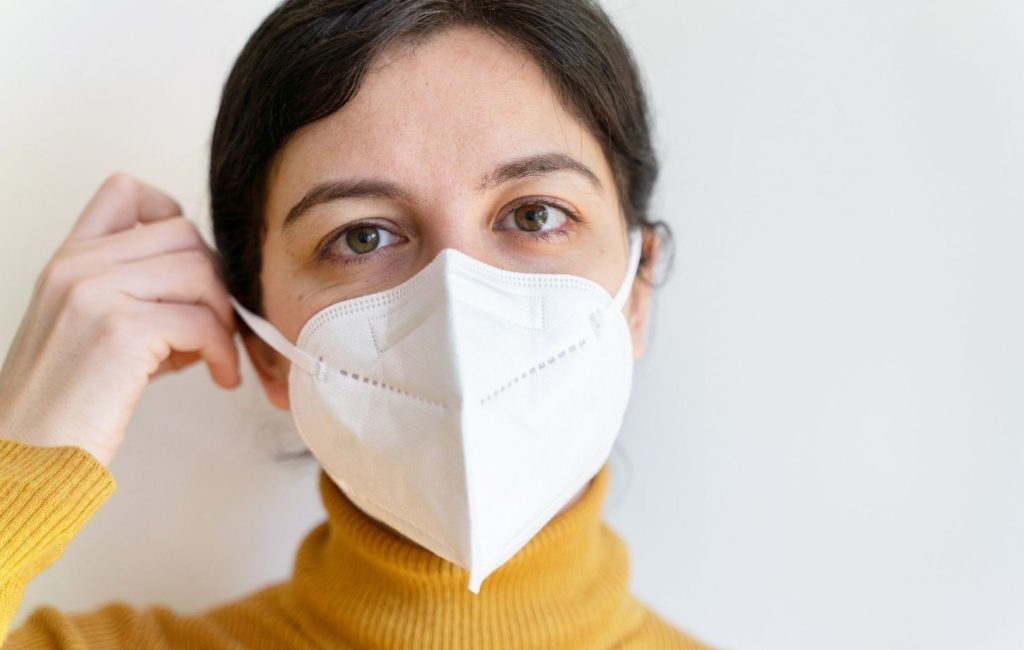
434	119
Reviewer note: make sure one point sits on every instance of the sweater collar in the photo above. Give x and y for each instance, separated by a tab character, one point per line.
356	580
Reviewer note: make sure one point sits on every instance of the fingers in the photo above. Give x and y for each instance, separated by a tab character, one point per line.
176	361
186	276
88	258
175	233
194	328
131	239
120	203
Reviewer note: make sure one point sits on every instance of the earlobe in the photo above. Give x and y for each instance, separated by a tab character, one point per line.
272	369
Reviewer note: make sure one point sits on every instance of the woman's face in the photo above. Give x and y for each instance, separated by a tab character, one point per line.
455	142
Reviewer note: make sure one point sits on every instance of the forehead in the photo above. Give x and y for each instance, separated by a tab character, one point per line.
434	114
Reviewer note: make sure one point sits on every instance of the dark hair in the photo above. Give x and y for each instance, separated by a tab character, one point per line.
308	58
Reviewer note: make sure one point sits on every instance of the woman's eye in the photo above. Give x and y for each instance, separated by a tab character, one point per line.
366	238
533	217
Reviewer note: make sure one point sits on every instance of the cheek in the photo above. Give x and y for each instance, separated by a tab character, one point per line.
607	265
286	293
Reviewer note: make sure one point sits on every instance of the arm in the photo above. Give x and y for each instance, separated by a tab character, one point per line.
46	496
133	292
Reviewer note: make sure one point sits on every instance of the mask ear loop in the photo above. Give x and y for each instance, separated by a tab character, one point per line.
276	340
635	241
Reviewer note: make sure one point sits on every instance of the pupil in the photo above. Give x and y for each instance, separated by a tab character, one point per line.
531	217
363	240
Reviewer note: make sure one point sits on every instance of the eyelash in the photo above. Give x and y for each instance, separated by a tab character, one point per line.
324	254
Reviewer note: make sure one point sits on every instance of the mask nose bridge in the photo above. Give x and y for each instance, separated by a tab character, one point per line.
460	282
473	284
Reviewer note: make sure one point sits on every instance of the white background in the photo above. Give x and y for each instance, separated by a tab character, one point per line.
824	443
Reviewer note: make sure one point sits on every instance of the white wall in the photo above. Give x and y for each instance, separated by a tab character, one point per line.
825	443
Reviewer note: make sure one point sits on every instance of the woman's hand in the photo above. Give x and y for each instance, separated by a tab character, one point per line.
133	291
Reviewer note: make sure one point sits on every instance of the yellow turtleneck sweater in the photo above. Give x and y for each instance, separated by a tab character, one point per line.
355	584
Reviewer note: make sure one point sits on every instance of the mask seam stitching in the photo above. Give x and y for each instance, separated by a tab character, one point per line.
561	354
370	381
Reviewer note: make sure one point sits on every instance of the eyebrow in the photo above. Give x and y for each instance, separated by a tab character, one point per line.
520	168
344	189
538	165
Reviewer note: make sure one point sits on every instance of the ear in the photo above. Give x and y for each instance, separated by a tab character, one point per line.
638	303
272	368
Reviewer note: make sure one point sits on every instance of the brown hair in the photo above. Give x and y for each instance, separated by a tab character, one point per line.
308	58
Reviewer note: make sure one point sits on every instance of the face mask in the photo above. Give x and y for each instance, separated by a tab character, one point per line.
466	406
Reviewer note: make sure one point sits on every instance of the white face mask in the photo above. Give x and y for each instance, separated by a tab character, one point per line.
466	406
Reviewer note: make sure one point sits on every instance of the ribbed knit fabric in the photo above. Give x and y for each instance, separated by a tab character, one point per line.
356	584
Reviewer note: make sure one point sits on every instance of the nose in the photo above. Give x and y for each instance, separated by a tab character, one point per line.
460	234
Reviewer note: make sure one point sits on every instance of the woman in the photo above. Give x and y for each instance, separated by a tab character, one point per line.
429	215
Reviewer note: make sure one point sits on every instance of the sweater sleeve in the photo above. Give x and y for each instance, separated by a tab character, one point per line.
46	496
